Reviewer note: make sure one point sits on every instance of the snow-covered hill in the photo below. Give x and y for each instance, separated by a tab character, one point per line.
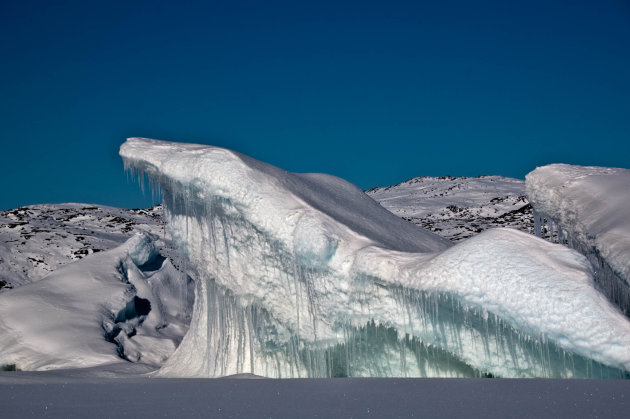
459	207
37	239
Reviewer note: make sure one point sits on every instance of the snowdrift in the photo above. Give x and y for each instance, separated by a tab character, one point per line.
588	209
303	275
126	302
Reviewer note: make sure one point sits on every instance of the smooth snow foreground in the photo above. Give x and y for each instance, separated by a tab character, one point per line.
304	275
588	209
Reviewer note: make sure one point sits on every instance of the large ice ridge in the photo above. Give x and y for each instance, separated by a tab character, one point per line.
304	275
587	208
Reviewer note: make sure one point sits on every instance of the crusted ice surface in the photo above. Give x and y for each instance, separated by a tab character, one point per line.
587	207
304	275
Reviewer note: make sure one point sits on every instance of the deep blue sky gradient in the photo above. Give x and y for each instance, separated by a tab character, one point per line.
374	92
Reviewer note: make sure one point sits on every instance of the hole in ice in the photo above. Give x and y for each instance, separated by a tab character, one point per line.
135	308
154	264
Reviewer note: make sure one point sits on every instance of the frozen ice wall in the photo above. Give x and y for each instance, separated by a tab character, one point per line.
587	208
303	275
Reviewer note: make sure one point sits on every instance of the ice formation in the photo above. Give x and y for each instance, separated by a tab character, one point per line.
303	275
588	209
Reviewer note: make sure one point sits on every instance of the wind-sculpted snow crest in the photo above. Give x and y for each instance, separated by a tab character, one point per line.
303	275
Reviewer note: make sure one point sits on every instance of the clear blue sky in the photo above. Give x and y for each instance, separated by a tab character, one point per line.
374	92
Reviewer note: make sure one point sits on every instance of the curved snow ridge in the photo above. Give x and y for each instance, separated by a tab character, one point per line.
589	203
207	171
303	275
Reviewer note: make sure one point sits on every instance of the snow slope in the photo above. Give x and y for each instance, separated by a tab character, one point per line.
458	207
304	275
587	208
125	302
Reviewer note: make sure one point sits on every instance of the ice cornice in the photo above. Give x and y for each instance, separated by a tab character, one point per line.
221	172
